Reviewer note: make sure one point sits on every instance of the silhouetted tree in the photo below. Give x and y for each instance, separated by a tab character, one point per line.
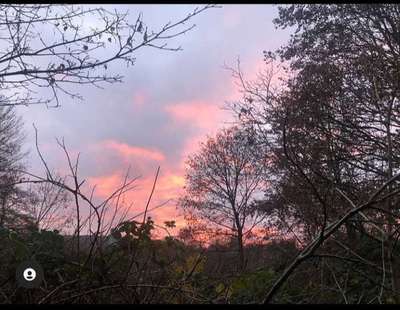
11	155
332	130
223	180
48	47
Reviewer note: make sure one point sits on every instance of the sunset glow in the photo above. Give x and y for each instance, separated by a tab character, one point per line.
160	114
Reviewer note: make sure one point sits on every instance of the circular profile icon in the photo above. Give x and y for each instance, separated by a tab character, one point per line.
29	274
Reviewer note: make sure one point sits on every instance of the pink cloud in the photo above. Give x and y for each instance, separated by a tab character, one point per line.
128	151
139	98
206	117
200	114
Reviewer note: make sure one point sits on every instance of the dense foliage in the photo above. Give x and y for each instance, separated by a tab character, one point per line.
296	203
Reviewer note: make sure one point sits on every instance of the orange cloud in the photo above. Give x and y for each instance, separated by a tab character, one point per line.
167	190
134	151
106	185
177	180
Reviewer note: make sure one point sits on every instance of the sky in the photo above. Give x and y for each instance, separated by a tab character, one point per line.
168	103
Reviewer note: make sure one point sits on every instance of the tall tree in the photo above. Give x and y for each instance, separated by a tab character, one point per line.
333	128
222	181
11	155
360	45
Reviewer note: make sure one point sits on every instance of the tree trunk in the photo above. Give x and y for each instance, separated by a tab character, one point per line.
241	250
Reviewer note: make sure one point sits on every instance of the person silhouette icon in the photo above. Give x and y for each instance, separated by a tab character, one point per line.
29	274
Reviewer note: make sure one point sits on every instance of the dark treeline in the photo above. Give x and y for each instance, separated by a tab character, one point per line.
298	202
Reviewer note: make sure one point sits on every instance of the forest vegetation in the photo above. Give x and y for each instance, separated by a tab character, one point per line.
297	202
